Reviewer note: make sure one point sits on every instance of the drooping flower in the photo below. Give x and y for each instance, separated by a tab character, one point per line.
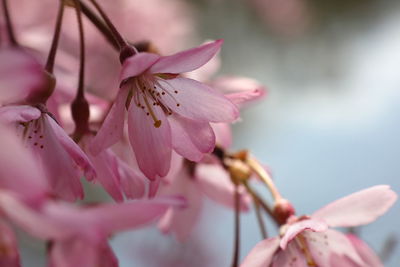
61	159
308	241
165	111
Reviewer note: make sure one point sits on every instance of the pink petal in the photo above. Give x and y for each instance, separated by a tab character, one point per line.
113	126
20	75
79	252
197	101
323	245
12	114
359	208
190	138
296	228
132	181
262	254
9	248
106	168
181	222
240	90
76	154
215	182
30	220
240	99
292	256
152	146
368	256
137	64
18	169
188	60
153	187
61	171
223	134
105	219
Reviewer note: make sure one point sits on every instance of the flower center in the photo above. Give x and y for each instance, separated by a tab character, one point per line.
149	95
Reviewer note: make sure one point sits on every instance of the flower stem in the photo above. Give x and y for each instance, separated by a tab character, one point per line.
261	202
9	25
117	36
80	106
260	219
54	45
100	25
80	92
235	259
264	176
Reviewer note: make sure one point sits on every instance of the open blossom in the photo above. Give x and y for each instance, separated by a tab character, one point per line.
308	241
61	159
165	111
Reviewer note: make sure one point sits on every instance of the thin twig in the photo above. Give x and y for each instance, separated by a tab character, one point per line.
118	37
54	44
236	245
260	219
100	25
9	26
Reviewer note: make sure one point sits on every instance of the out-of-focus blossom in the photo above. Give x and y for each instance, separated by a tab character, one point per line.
307	239
59	156
20	75
165	111
194	181
82	232
286	17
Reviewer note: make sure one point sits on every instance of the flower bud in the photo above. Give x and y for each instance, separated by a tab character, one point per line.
283	209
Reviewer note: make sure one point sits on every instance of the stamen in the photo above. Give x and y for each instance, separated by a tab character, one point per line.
157	122
306	251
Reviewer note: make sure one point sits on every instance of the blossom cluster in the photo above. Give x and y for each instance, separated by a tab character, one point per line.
148	124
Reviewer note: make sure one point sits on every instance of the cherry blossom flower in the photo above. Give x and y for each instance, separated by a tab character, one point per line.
307	240
165	111
59	156
194	184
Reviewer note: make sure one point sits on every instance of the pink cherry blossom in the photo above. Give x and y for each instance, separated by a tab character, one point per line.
165	111
194	184
62	160
309	241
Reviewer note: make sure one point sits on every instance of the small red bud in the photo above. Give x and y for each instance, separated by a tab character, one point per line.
283	209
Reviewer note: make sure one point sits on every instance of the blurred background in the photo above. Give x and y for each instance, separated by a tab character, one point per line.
329	126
